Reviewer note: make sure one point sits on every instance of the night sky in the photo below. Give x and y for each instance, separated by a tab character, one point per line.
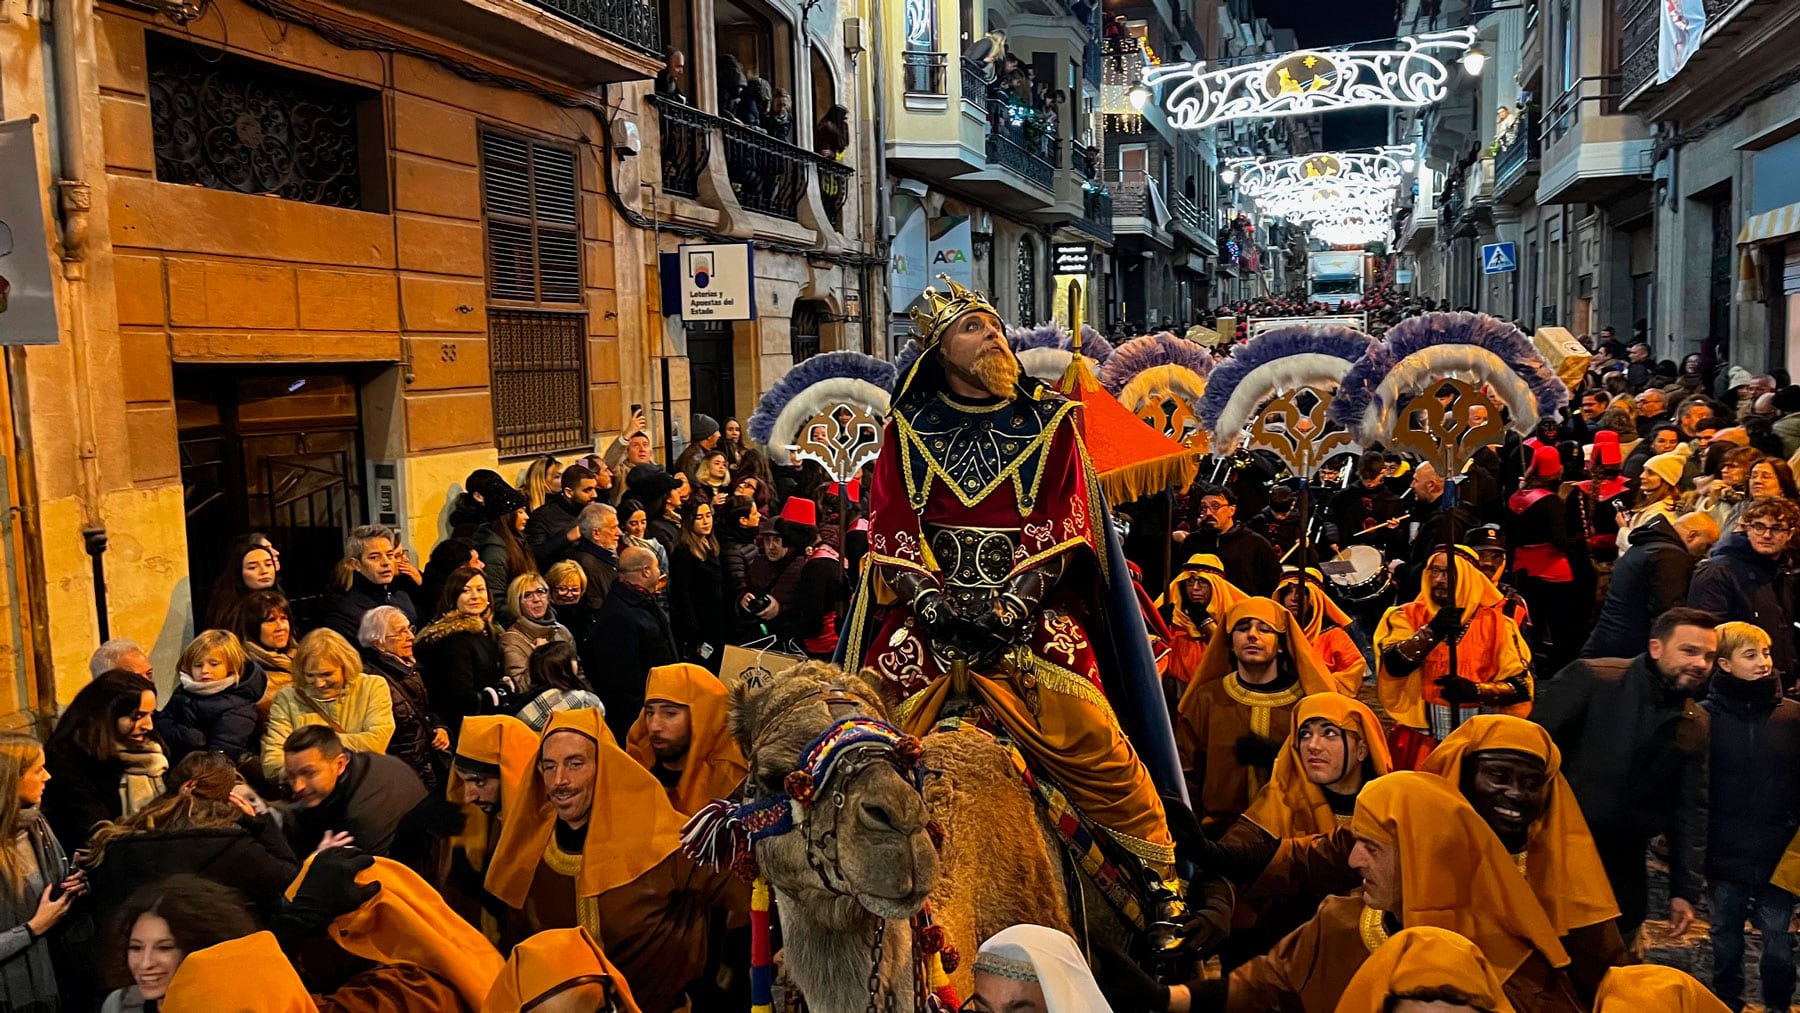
1334	23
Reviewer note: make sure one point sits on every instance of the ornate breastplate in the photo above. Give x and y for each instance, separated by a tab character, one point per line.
975	449
974	563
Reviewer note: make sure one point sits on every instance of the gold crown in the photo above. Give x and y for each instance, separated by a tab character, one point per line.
938	310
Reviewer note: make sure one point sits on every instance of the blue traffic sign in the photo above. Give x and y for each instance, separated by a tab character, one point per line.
1498	258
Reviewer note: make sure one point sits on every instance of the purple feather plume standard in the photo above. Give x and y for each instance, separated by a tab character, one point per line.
1141	353
823	366
909	354
1338	342
1094	345
1050	335
1415	334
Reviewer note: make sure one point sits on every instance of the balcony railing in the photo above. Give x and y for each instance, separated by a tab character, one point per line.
923	73
632	23
1096	213
1130	198
1018	141
768	175
686	145
1093	60
974	86
1637	50
1516	155
1185	212
835	180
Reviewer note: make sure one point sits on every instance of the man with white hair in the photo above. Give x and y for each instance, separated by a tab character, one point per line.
122	655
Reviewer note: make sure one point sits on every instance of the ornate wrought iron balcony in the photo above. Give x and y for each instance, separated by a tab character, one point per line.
1184	212
631	22
686	145
1021	139
974	86
768	175
1637	50
1517	157
835	180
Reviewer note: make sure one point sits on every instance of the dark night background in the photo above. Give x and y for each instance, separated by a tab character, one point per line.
1334	23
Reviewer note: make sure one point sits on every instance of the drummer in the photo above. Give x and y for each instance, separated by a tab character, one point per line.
1420	689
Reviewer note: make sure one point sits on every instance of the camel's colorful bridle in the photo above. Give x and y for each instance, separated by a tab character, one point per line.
722	834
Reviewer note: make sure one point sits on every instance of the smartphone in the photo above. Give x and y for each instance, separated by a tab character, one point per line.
637	409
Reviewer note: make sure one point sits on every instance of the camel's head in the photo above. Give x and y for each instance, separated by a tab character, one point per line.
861	840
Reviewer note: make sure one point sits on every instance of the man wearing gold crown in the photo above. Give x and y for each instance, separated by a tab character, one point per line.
989	567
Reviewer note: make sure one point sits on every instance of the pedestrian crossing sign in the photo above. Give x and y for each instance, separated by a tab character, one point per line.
1498	258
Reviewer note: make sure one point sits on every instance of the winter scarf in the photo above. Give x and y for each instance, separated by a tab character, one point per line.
451	623
142	779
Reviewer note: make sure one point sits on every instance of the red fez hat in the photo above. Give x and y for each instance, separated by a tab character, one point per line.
1545	462
1606	449
800	510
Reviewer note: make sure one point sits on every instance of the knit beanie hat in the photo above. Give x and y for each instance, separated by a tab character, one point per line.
704	426
501	501
1667	466
1735	377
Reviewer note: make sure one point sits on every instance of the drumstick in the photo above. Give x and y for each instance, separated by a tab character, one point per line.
1384	524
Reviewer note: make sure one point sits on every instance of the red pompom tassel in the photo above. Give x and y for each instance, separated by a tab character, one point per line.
744	865
951	958
799	786
909	750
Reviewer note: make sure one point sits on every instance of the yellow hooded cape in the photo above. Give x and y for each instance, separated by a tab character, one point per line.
630	830
1561	863
408	923
1291	805
1219	662
504	747
1404	699
549	963
1424	958
715	765
1453	872
1643	987
1348	681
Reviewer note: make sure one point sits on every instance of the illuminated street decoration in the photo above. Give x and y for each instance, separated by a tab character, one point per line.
1350	168
1311	81
1313	201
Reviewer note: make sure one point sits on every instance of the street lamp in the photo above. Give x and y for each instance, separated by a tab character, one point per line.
1228	176
1474	60
1407	164
1139	96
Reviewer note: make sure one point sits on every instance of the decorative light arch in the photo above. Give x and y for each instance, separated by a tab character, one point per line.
1311	81
1381	166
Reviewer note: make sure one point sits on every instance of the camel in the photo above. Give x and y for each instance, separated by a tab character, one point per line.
841	896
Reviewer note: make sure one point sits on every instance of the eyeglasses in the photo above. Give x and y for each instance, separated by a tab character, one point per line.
1767	530
534	595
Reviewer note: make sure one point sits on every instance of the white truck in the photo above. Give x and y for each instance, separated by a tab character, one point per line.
1335	278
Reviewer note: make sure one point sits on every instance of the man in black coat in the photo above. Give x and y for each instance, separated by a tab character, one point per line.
1746	580
1249	560
1634	746
373	797
1648	580
553	528
634	634
382	575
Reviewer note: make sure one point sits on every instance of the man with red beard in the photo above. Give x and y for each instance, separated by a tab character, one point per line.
996	590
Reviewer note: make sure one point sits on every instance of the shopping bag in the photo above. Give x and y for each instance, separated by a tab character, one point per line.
756	665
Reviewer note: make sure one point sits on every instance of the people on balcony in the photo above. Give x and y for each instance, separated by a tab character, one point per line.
831	137
668	79
779	121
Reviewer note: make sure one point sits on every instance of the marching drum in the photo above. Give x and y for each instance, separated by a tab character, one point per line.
1359	574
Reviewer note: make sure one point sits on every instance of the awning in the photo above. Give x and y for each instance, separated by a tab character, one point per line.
1768	227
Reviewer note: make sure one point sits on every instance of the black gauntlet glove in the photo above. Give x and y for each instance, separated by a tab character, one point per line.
1125	984
329	890
1446	622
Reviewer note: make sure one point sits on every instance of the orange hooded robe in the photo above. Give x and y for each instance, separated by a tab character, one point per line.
630	886
714	766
